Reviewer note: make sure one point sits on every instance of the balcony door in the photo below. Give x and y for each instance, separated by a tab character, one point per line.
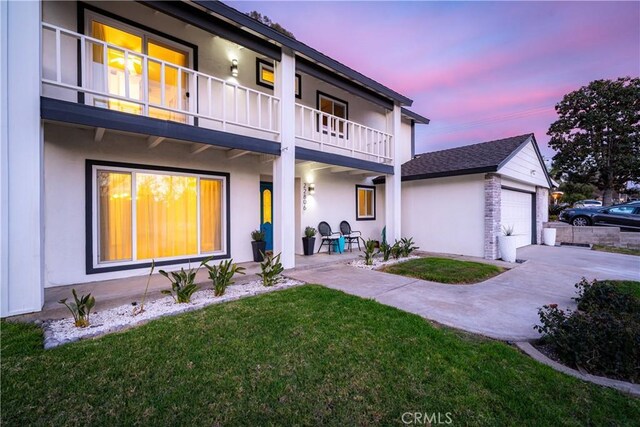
119	69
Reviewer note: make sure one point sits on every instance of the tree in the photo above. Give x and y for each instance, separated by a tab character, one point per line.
266	21
597	136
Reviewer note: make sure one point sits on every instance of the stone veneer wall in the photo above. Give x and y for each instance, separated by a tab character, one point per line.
492	201
542	211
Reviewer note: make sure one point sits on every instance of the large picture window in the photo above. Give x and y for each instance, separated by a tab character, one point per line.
365	202
145	214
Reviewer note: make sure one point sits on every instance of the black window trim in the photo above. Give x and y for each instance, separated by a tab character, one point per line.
89	224
259	82
367	187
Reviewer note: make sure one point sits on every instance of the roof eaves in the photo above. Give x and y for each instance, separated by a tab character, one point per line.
245	20
415	116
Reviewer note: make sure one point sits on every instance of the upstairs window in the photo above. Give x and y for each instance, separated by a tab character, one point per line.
122	77
365	202
333	107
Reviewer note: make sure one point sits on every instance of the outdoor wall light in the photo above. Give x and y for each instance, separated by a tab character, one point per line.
234	67
312	188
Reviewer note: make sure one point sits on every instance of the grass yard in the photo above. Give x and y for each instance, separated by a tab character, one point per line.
445	270
304	356
628	287
613	249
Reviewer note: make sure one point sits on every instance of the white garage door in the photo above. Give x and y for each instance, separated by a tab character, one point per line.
515	211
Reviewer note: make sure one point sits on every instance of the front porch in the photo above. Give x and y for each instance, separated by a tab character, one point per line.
117	292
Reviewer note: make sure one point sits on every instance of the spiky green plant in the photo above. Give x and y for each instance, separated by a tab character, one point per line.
407	246
140	309
369	251
222	274
271	270
396	250
182	283
80	309
385	250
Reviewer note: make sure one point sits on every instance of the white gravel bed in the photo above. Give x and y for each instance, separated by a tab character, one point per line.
379	263
59	332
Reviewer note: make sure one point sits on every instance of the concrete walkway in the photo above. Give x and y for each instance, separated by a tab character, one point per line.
504	307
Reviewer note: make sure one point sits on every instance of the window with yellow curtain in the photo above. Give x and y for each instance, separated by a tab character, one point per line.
114	216
137	41
366	202
175	215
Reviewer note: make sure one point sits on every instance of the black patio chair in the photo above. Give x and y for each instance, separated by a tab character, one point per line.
350	235
328	237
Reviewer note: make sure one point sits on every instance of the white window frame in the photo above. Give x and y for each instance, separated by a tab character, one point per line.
97	264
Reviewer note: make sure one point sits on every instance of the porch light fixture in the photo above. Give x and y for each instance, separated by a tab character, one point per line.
312	188
234	68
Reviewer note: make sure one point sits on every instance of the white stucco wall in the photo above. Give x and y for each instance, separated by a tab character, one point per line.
334	201
65	152
404	141
445	214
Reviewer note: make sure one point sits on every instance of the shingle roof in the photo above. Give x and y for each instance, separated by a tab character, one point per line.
476	158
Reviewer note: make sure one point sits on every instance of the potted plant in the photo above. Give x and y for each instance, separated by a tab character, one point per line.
309	240
507	244
259	245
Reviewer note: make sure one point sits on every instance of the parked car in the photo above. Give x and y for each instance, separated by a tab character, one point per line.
625	216
587	204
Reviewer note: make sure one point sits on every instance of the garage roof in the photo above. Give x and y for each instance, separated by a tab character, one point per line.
470	159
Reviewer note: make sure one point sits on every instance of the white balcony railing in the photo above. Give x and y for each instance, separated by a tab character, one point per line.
330	133
116	78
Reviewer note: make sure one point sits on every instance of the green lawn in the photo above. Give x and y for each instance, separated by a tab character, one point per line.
625	251
305	356
629	287
445	270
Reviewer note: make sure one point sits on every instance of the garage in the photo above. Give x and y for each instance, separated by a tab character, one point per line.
516	211
457	201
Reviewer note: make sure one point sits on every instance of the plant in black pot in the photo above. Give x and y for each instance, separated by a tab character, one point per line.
259	245
309	240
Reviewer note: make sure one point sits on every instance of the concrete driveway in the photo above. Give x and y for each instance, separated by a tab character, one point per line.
504	307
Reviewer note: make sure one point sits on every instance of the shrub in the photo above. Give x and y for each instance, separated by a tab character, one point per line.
554	210
385	250
309	232
182	283
369	251
80	309
258	235
396	250
602	336
222	274
406	246
271	270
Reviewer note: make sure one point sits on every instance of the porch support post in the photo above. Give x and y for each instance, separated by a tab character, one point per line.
393	189
284	166
21	160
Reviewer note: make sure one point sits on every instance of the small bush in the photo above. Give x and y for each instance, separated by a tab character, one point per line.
554	210
309	232
396	250
385	250
406	246
258	235
182	283
271	270
222	274
602	336
369	251
80	308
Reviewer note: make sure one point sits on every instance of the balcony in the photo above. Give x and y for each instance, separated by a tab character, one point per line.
120	79
325	132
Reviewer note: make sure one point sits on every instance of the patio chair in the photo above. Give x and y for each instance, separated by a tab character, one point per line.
350	235
328	237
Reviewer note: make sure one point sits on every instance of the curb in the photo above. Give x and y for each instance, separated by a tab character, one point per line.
623	386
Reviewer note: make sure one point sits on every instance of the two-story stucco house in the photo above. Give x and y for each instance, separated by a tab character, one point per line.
140	130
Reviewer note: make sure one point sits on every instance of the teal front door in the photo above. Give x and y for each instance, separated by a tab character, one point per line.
266	212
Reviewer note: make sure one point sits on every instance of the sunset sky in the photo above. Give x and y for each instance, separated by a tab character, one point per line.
478	70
